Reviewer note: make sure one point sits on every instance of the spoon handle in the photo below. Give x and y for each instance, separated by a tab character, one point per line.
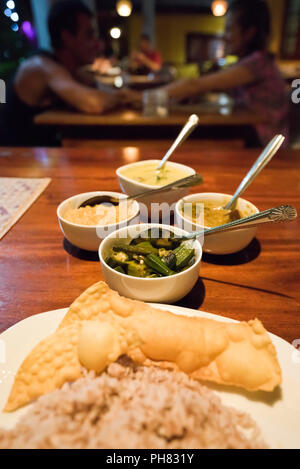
259	164
189	181
282	213
185	132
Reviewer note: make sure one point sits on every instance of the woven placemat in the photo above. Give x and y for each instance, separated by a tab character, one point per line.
16	196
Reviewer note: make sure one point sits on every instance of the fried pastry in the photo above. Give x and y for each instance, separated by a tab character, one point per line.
107	325
239	354
49	365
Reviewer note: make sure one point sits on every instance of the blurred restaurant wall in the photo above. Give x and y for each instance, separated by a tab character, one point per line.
170	34
177	28
172	44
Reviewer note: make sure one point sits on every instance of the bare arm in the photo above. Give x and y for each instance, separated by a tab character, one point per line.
237	75
82	97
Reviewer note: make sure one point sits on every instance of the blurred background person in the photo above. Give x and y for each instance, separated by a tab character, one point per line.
46	79
106	59
145	59
255	81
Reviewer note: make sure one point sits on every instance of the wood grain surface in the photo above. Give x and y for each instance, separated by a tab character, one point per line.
128	117
39	271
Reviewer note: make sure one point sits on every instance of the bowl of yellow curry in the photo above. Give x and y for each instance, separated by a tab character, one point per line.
205	210
139	177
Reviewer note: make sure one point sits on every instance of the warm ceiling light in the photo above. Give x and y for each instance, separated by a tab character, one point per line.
219	7
115	33
124	8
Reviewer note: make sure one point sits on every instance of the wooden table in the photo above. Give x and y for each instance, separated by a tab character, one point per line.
128	123
129	117
39	272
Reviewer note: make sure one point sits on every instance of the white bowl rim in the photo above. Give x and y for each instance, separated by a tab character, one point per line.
203	194
151	225
90	194
139	163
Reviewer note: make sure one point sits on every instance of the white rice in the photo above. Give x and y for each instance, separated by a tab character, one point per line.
130	407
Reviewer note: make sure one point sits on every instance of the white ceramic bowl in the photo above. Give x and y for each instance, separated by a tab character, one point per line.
159	290
220	243
131	187
89	237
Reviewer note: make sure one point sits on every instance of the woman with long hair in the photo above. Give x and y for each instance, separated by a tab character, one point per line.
255	80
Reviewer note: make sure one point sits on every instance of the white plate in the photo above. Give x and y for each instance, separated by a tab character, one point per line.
277	413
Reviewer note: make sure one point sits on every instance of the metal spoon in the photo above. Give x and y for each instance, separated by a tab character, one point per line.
282	213
185	132
189	181
264	158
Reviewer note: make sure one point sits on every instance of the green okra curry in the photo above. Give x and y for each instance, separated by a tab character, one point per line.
152	255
